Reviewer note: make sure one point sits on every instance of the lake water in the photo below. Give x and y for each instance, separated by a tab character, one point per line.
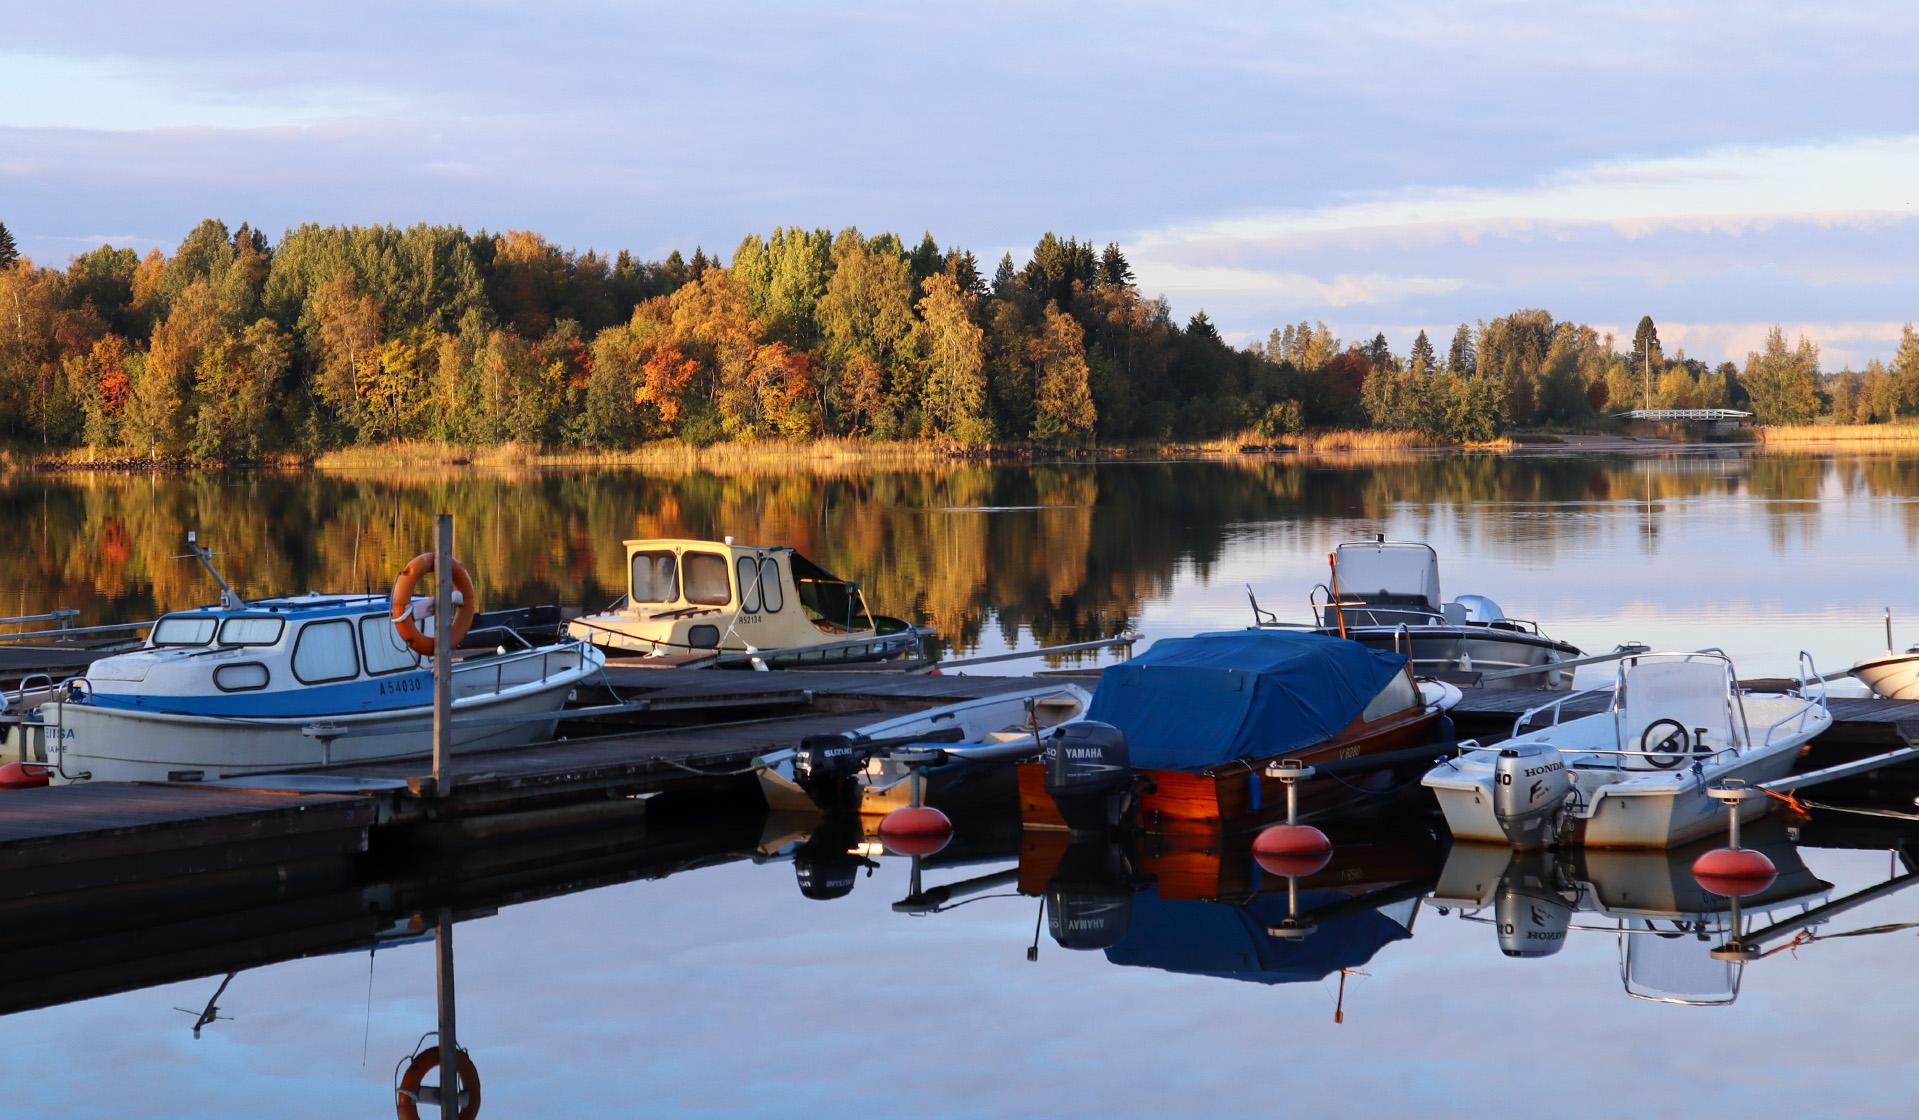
684	972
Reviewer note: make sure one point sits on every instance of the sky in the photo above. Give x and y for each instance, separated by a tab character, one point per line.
1381	166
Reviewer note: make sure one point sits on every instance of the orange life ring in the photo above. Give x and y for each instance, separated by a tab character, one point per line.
403	623
406	1101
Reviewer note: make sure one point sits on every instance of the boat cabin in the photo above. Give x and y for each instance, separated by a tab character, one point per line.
695	597
219	657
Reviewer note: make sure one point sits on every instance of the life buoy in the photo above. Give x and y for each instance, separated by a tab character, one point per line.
403	623
406	1101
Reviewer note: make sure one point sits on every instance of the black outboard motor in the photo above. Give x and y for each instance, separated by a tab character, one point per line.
1089	774
826	864
824	766
1089	900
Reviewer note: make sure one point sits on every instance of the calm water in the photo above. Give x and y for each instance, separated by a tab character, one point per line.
684	973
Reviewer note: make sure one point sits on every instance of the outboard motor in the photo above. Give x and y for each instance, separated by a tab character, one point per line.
826	865
1530	786
824	766
1088	919
1532	917
1089	774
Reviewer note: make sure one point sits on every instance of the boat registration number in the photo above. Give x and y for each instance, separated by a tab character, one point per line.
404	684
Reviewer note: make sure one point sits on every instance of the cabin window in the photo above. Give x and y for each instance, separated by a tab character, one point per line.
703	636
324	652
748	569
706	579
247	676
770	592
655	577
183	630
385	652
251	631
1397	696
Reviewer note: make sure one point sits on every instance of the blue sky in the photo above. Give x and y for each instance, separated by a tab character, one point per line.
1384	165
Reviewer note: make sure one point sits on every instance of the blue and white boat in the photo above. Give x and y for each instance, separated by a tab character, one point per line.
293	682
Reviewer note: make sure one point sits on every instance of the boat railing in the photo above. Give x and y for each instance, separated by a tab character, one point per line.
66	632
1808	676
571	647
1737	721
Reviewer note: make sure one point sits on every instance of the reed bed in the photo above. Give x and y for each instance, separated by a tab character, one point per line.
1349	440
1839	435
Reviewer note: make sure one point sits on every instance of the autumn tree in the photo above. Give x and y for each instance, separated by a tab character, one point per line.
1783	382
952	348
1905	370
866	329
158	417
237	377
349	328
1062	402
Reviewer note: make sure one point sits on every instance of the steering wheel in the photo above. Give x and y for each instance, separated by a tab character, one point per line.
1668	750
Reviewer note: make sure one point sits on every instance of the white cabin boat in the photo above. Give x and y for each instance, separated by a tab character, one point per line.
1385	594
292	682
1634	774
735	603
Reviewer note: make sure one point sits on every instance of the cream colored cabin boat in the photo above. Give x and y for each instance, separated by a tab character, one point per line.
691	599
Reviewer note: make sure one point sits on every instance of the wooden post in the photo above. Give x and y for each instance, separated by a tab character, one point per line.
443	657
443	974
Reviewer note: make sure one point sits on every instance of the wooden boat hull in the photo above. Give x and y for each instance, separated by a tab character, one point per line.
1240	797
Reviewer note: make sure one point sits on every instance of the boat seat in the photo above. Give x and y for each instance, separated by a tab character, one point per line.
1691	693
1454	613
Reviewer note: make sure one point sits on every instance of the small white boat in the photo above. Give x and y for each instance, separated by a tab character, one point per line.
945	749
1385	595
1633	775
1890	676
252	687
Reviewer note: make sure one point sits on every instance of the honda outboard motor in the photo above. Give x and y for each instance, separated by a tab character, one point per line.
1089	774
1530	786
824	766
1532	917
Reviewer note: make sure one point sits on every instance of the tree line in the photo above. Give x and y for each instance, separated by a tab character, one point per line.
234	347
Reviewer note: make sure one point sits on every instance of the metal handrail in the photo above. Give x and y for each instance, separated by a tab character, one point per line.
59	615
72	631
1735	703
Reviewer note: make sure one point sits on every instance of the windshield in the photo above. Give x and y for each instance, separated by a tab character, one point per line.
184	630
830	603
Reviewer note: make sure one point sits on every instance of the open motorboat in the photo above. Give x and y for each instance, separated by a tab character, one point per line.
1385	595
1635	773
1890	675
1667	925
272	684
958	753
1179	738
716	601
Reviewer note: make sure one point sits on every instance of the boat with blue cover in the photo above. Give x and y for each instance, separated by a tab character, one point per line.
290	682
1179	738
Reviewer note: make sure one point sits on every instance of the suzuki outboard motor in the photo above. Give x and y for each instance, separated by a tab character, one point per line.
1530	786
1532	917
1089	774
824	766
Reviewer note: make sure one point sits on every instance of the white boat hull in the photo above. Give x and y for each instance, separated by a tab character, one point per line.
1894	676
97	743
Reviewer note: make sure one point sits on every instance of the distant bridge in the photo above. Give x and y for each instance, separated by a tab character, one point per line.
1701	415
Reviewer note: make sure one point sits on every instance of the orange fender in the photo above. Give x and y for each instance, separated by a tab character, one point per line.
403	623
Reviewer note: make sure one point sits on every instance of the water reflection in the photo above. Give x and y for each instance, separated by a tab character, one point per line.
1004	556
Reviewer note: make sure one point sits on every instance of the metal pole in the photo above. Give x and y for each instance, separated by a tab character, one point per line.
443	657
449	1039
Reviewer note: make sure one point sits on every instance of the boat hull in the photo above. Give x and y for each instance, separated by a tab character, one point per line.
1242	798
98	743
1894	676
1443	650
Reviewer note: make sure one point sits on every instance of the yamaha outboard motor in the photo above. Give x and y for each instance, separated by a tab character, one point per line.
1089	774
824	766
1089	900
1530	787
1532	917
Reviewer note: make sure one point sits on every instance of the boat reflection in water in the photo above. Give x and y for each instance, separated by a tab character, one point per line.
1204	912
1672	933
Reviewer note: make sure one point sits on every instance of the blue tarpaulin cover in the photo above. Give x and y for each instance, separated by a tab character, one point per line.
1193	703
1213	939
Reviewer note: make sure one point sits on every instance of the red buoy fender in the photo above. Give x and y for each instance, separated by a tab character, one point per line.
23	775
1734	872
915	830
407	1100
402	602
